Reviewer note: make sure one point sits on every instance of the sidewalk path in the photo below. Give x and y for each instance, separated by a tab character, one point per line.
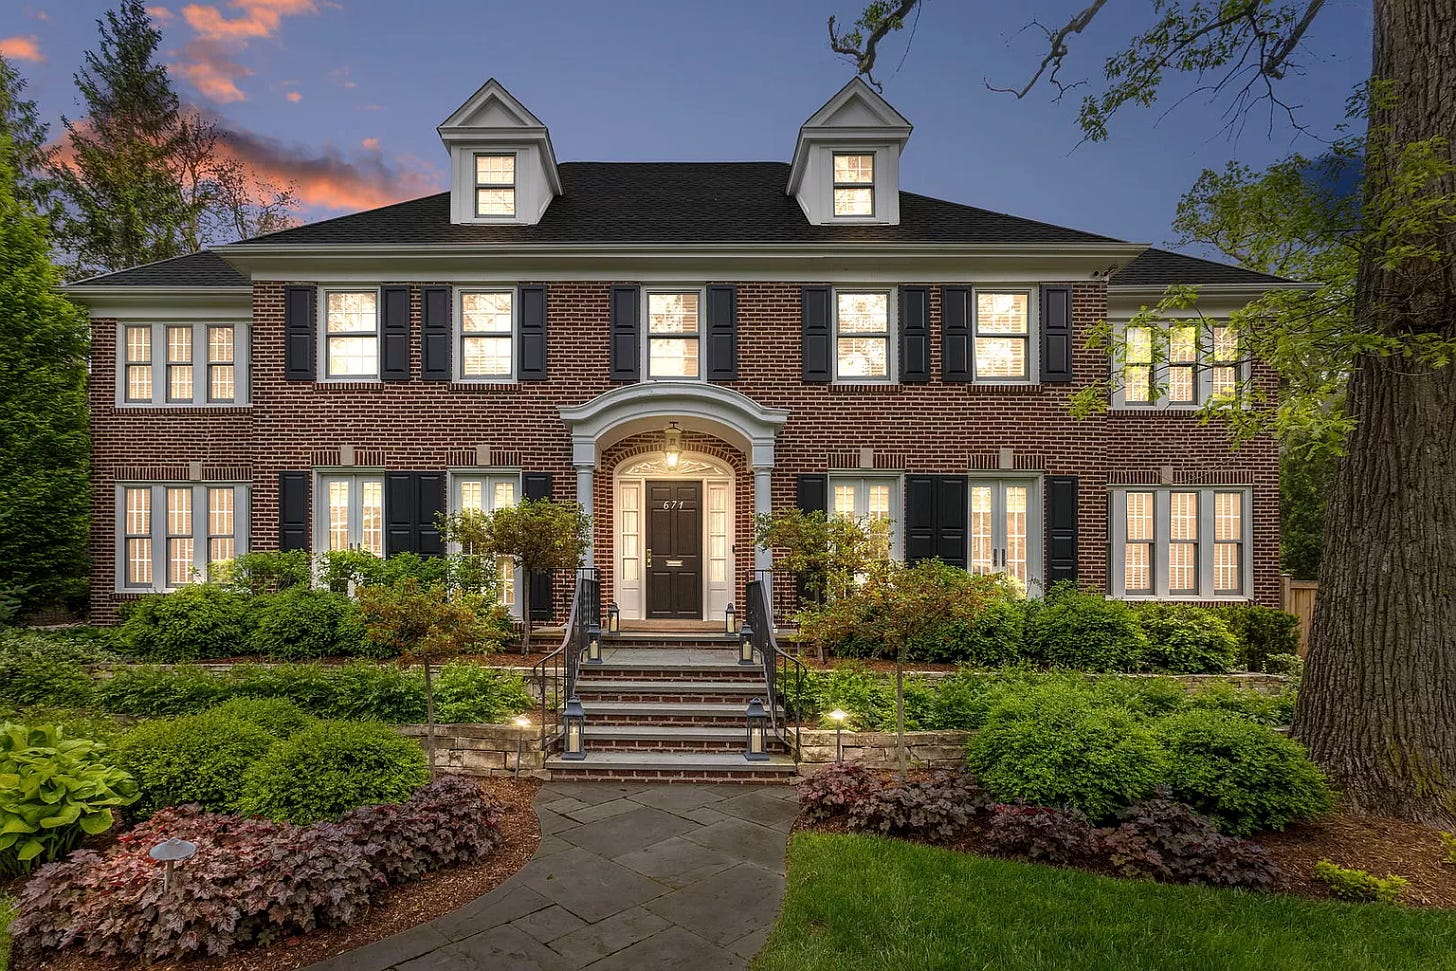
636	877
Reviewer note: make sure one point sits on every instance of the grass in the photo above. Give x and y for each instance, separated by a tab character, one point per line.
7	914
871	903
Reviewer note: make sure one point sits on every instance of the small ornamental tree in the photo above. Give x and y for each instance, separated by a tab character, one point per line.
824	554
427	626
540	535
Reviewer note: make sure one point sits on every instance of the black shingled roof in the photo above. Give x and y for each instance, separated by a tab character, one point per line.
1162	268
204	269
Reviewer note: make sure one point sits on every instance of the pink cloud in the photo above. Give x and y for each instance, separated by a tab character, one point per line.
22	48
294	96
209	59
212	71
257	18
371	143
160	14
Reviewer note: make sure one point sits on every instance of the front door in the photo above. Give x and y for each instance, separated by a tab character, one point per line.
674	550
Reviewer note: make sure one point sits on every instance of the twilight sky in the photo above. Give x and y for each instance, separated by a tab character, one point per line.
343	97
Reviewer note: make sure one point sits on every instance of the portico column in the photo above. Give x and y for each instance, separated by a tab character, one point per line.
584	498
762	506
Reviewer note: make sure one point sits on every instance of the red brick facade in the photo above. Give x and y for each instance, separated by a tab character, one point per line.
421	426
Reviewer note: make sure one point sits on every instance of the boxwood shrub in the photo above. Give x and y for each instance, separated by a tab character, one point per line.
1183	639
1262	632
1084	631
200	620
197	759
277	716
301	624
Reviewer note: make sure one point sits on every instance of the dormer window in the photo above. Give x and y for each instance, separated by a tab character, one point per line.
495	185
854	184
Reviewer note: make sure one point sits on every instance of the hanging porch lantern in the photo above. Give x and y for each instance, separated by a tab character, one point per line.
756	749
672	444
575	723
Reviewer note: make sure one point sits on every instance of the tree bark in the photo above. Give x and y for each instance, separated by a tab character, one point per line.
1378	705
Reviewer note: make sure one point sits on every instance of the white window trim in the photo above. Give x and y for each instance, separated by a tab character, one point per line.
1202	370
476	186
872	185
1035	513
201	390
645	351
488	476
861	479
1162	505
886	185
892	354
457	351
1033	334
322	333
200	533
356	525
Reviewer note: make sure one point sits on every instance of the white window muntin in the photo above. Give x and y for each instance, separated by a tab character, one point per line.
1151	359
160	537
487	491
149	358
869	497
488	328
1208	558
993	332
856	337
494	176
666	338
349	512
1005	528
349	329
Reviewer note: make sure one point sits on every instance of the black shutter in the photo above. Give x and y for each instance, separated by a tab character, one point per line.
394	335
401	524
1061	541
532	364
293	490
435	333
914	335
723	333
298	330
936	514
955	334
626	356
537	485
429	506
813	493
817	337
1056	335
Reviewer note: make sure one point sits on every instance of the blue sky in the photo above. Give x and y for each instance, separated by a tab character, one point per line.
344	96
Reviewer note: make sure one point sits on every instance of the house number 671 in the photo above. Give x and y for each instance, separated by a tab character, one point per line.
673	503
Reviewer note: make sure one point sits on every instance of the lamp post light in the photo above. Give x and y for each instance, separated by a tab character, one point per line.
757	747
838	715
594	644
522	723
730	620
614	618
172	852
575	723
745	643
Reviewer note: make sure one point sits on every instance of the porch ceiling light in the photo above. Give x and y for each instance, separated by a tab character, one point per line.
672	444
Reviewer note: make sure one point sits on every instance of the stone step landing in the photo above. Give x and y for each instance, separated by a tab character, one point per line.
671	767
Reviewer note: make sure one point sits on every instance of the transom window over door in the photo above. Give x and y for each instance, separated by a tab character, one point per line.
854	184
351	323
171	534
486	328
1003	335
352	516
862	336
1180	542
487	493
495	185
673	328
1005	529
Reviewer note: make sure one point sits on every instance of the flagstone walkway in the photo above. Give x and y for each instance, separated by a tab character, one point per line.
637	877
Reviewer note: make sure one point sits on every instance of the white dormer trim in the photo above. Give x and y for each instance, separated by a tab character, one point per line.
493	122
855	120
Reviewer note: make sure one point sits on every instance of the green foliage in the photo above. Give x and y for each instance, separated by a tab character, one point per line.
1187	640
427	623
32	680
271	571
277	716
1085	631
149	692
342	571
200	620
868	698
475	693
1048	746
1360	885
194	759
54	791
7	914
300	624
1243	776
1245	703
1262	632
824	553
1287	664
329	768
997	635
1306	480
1448	840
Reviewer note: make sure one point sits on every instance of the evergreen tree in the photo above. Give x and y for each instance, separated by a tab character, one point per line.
28	134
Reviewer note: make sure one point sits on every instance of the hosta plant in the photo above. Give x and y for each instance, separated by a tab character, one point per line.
54	792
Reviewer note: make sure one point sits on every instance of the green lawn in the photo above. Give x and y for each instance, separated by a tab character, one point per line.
868	903
7	913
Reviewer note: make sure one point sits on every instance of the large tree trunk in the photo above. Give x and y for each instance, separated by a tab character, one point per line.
1378	707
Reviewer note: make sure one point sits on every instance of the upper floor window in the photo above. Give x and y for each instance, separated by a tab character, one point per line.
862	329
351	327
1182	365
170	534
495	185
673	334
854	184
1002	323
486	329
160	364
352	513
1174	541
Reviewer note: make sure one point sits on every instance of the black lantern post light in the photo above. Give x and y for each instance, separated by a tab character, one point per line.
757	747
838	715
575	723
745	643
170	853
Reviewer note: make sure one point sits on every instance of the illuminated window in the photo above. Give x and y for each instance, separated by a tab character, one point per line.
495	185
138	364
1180	365
485	333
351	323
1003	336
1137	556
862	336
179	364
182	364
1228	543
222	383
171	534
351	514
1180	542
1183	543
673	329
854	184
872	499
1005	529
487	493
137	545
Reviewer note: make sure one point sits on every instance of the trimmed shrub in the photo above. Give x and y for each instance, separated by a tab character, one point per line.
197	759
54	792
1261	632
277	716
1243	776
1187	640
997	635
449	821
332	767
30	680
270	571
476	693
1245	703
300	624
1059	836
1161	839
200	620
1087	632
1360	885
867	696
1051	746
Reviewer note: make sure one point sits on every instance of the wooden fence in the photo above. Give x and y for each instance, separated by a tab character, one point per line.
1297	597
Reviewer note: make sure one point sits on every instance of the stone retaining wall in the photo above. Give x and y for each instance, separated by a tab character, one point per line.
484	750
879	749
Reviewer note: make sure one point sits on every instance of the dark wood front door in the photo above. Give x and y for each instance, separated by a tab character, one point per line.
675	550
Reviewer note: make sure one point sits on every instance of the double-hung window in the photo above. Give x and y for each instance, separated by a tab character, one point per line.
351	329
1005	528
174	533
487	493
486	328
187	364
1003	350
1182	364
674	328
1180	542
179	364
495	185
871	499
854	184
138	363
222	363
351	513
863	327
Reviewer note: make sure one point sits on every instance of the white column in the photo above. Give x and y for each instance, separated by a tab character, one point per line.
762	506
584	499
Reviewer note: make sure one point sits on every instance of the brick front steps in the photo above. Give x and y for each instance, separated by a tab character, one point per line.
671	767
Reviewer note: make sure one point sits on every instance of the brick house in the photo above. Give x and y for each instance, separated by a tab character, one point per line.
677	346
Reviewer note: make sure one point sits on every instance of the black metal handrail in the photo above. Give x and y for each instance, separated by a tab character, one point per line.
555	674
780	670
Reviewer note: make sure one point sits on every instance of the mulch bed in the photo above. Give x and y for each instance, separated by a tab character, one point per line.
396	908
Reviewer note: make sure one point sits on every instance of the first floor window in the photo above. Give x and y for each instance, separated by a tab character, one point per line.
183	364
862	336
672	335
868	499
353	513
179	532
351	325
485	333
487	493
1005	528
1180	542
1003	335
